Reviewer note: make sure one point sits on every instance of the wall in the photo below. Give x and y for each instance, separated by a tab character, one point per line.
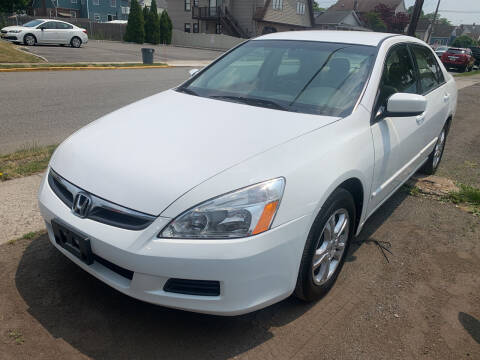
207	41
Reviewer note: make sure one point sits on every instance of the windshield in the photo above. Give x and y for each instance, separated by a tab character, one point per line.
33	23
302	76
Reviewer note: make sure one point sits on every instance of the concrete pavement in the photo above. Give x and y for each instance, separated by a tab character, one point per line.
19	213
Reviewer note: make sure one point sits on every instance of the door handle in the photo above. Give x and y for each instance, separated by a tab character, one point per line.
420	119
446	97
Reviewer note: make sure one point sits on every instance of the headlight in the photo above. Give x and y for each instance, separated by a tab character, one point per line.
244	212
14	31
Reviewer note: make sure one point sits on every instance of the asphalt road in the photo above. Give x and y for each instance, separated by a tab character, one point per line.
115	51
45	107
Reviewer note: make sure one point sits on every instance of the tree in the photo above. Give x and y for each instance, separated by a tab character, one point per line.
11	6
395	22
135	26
374	22
154	24
316	7
464	41
165	28
429	16
146	24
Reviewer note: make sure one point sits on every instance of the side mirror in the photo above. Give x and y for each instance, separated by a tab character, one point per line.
42	28
403	104
192	72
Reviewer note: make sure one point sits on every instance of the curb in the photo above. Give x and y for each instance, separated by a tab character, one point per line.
65	68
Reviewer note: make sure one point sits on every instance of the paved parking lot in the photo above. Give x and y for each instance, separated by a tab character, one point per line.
115	51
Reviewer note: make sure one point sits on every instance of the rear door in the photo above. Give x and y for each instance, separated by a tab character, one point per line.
64	32
397	140
432	86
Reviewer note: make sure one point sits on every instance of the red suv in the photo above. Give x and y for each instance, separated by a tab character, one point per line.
458	58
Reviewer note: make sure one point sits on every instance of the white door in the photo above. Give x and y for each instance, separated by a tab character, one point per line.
398	141
48	33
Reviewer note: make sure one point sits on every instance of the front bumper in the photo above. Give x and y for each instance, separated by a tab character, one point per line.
253	272
9	37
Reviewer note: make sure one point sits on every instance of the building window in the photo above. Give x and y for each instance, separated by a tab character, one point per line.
195	3
187	27
73	14
125	10
300	8
219	29
96	2
195	27
277	4
113	3
188	5
74	1
96	17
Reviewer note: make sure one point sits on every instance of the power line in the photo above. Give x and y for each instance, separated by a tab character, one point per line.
460	11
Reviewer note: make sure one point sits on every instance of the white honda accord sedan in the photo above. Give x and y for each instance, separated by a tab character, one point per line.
45	31
248	182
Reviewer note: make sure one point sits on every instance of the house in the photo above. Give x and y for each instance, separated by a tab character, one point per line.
241	18
338	20
95	10
364	6
443	34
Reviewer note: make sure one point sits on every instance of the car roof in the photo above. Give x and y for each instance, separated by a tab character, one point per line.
334	36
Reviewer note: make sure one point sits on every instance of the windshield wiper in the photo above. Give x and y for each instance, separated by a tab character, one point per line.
251	101
187	91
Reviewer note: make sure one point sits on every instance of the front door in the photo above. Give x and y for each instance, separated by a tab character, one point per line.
398	141
48	33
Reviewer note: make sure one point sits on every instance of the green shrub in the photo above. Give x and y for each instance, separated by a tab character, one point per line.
165	28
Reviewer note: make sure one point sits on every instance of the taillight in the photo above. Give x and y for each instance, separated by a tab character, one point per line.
85	31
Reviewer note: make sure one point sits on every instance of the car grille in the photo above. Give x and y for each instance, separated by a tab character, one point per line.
100	210
193	287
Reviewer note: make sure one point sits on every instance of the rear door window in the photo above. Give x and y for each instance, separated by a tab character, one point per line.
64	26
429	71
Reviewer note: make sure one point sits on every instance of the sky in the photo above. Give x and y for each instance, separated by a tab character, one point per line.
457	11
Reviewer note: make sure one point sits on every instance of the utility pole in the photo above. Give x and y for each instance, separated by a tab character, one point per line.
433	23
417	10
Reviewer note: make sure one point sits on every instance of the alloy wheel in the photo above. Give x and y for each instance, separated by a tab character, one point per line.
330	246
75	42
30	40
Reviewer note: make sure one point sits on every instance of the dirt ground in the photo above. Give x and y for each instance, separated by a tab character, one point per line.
420	299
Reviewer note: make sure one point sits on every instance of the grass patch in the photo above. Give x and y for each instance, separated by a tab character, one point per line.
9	53
25	162
474	72
467	195
17	336
83	65
27	236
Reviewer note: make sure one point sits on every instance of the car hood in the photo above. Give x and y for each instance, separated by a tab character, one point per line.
22	28
146	155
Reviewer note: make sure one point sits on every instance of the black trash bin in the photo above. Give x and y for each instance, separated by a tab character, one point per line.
147	55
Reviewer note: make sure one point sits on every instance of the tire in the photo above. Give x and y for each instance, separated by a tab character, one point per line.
29	40
314	282
76	42
435	156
